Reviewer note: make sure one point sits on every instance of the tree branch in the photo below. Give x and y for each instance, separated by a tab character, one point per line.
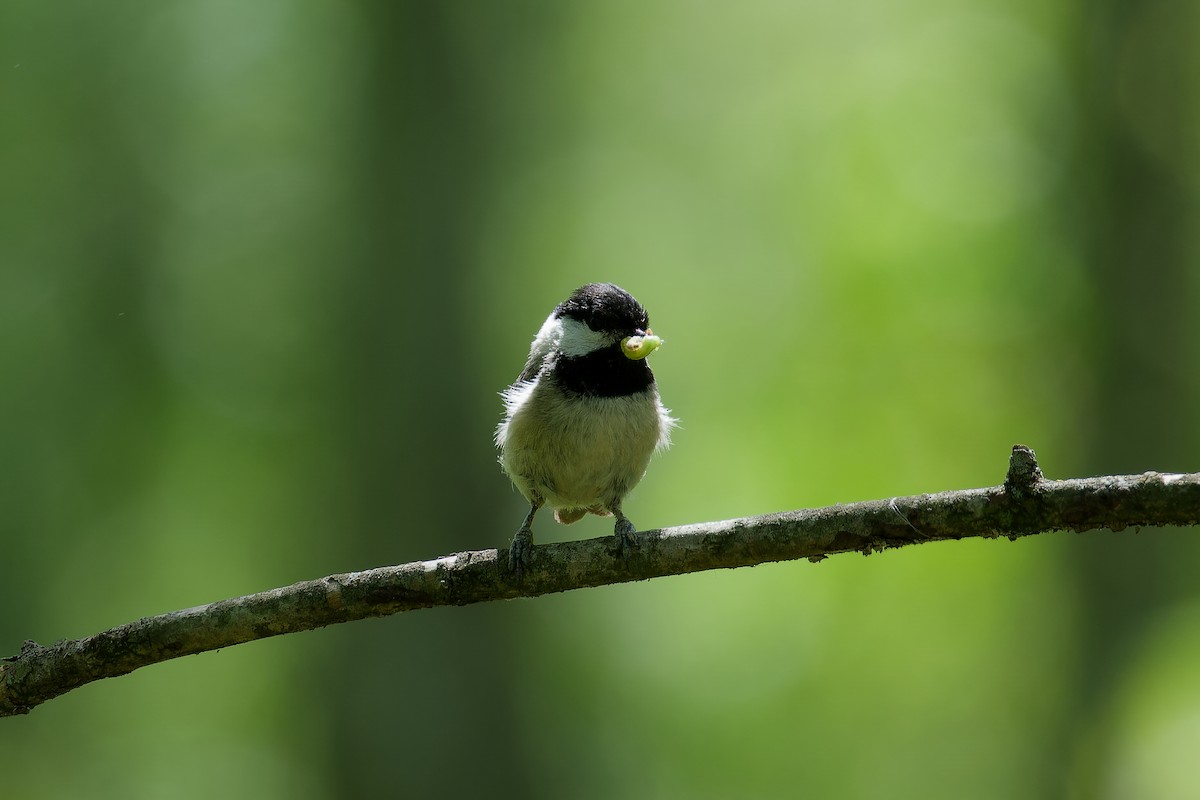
1025	504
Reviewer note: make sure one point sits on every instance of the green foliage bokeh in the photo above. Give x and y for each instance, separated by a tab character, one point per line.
264	268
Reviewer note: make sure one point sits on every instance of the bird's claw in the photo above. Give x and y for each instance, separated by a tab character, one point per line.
625	533
520	551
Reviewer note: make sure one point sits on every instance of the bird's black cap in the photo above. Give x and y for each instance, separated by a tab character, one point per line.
605	307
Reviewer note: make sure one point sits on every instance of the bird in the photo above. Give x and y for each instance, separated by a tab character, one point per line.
584	417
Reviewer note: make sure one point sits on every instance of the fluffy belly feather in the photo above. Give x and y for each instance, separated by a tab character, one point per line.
580	454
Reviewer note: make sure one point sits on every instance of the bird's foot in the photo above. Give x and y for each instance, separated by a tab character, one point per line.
520	551
625	533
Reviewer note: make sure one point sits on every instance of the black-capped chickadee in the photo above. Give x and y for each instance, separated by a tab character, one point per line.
584	416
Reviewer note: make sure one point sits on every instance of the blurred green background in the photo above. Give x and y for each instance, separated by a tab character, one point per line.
265	266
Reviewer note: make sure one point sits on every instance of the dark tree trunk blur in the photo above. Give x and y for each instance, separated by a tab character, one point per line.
413	701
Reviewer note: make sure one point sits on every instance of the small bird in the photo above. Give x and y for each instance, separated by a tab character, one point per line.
584	416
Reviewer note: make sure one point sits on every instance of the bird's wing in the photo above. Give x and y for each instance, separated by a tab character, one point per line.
533	365
543	345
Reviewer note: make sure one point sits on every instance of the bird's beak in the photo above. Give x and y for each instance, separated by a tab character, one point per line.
640	346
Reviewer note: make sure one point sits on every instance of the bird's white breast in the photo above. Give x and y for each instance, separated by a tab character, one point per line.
586	452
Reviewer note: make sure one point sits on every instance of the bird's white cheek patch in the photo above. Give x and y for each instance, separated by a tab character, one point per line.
578	339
